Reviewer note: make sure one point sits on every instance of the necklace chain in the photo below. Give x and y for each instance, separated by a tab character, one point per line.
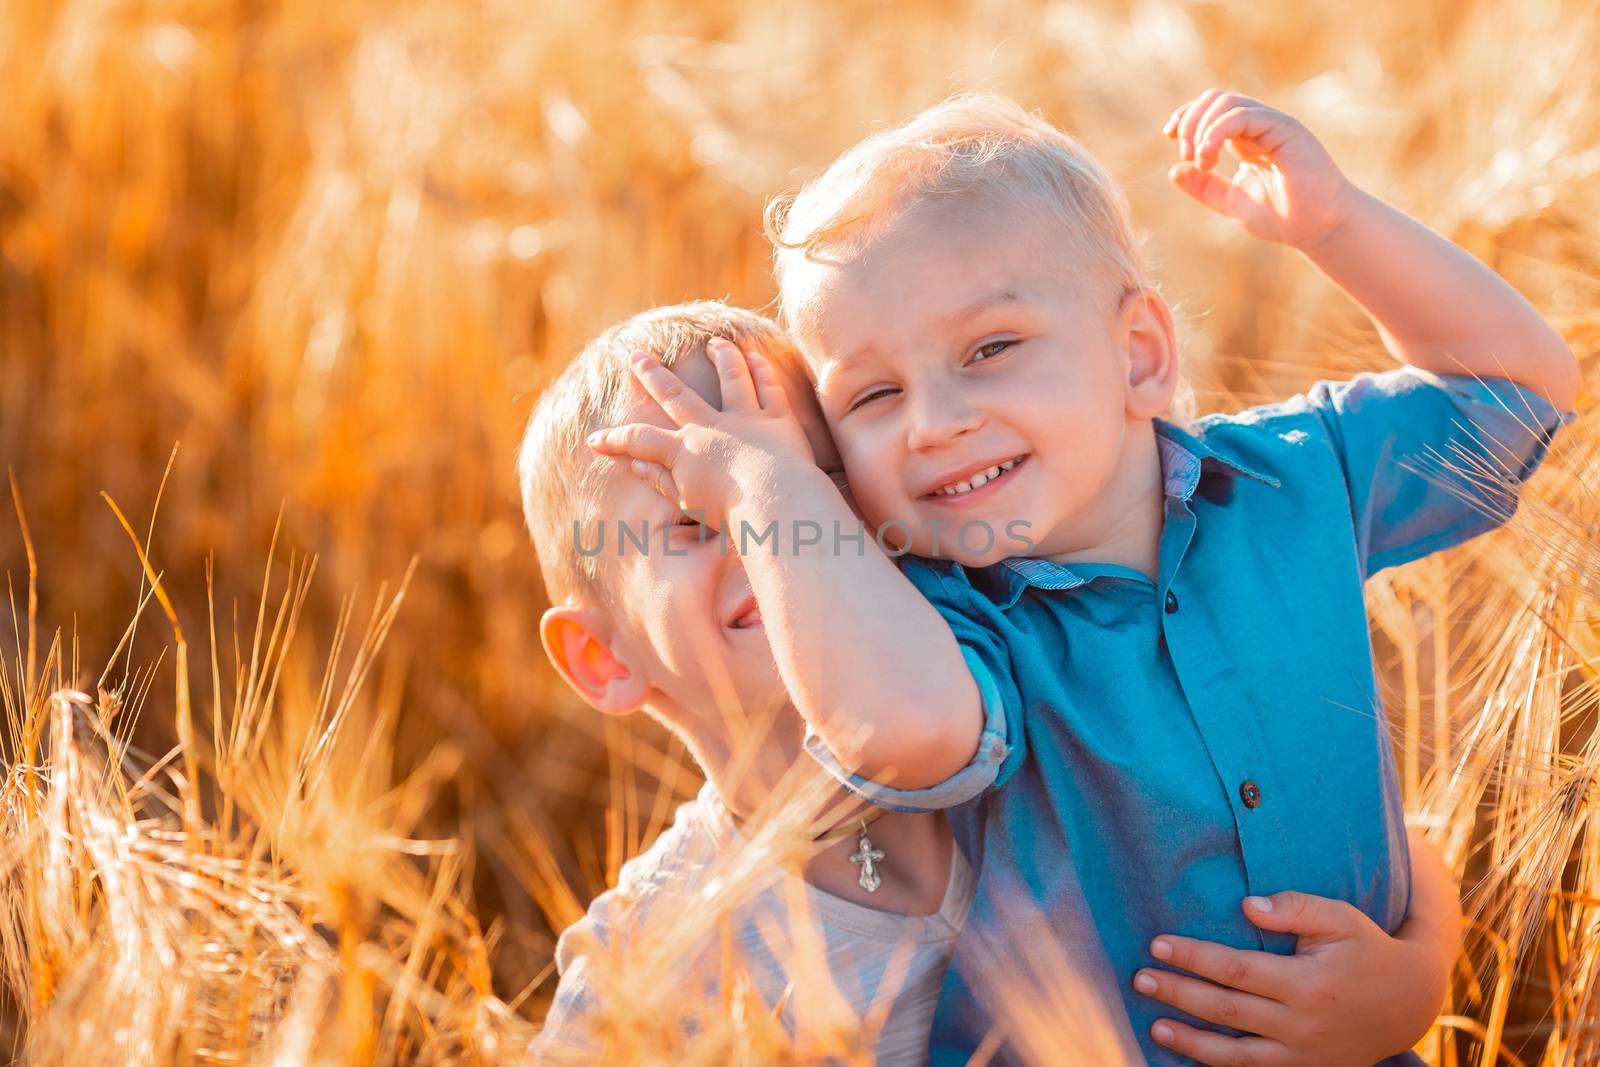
866	856
858	824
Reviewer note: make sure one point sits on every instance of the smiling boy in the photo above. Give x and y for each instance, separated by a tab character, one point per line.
664	621
1182	662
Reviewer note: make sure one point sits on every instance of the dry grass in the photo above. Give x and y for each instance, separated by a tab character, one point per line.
333	251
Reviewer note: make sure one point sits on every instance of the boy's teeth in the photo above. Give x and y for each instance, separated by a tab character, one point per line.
977	479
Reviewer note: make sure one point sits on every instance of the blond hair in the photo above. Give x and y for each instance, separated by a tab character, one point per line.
972	145
560	476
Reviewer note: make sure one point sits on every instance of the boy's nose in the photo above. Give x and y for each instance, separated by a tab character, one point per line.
938	417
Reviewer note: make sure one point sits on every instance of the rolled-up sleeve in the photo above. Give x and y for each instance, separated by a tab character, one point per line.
969	782
1000	746
1431	460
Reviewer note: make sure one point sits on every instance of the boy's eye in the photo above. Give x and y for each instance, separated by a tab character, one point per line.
885	391
990	350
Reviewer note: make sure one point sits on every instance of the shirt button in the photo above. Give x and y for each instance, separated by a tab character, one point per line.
1250	793
1172	602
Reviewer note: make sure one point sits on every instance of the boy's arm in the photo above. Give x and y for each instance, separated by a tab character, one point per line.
1350	994
867	660
870	664
1435	305
1434	924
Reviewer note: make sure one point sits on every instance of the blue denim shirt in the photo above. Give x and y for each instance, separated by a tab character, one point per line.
1166	748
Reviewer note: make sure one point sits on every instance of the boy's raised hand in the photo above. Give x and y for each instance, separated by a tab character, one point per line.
1350	995
702	465
1287	187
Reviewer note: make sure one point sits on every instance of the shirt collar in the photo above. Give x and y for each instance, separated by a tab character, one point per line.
1185	459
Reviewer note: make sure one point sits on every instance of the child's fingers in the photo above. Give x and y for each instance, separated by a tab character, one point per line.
1187	115
1206	186
682	404
1263	973
1213	1003
1220	104
1223	101
1321	918
657	477
1218	1050
1171	127
637	440
1191	121
1236	124
733	374
769	388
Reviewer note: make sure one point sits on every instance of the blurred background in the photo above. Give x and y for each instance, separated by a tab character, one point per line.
330	252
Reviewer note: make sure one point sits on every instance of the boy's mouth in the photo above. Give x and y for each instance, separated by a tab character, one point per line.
961	486
748	615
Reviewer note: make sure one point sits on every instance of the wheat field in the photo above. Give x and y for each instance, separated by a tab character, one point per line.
288	780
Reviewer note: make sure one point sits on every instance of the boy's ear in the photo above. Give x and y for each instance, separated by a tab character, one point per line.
1145	327
578	642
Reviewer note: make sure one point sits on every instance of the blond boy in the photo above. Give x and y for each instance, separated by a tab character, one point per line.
660	618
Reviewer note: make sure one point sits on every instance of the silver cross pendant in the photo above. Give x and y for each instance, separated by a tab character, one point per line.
868	858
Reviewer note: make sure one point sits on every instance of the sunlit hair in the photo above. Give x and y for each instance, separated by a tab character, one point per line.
560	476
981	148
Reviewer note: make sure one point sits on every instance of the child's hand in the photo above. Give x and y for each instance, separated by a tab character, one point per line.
1287	187
1350	995
702	465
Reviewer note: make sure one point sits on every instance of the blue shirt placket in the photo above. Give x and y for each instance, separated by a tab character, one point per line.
1204	668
